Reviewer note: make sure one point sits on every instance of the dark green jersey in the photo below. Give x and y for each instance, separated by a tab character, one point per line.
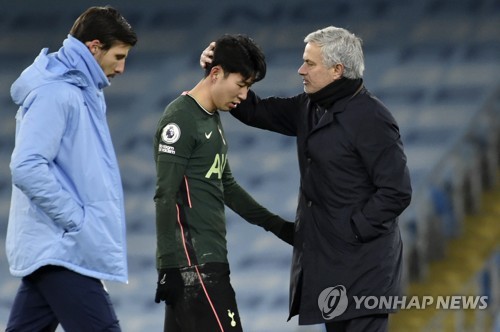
194	182
192	139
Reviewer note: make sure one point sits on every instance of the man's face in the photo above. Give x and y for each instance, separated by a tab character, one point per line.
229	91
314	73
112	61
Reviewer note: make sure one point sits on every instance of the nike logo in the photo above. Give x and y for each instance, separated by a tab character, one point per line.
208	135
162	281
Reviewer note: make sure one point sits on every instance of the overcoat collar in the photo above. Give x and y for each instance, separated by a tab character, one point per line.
349	89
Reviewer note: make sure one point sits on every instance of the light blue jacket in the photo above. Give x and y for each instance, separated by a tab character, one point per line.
67	198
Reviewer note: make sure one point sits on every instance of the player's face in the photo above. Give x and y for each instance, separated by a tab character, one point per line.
315	75
229	91
112	61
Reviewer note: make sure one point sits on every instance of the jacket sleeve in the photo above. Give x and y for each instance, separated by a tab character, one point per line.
280	115
379	145
41	124
238	200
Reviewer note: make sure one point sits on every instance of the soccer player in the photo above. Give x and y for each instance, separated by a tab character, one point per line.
194	182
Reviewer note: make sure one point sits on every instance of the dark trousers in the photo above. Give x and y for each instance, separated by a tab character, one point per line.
374	323
54	295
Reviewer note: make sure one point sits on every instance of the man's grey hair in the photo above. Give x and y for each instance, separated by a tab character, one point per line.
339	46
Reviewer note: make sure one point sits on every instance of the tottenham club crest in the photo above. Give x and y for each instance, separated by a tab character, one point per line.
170	133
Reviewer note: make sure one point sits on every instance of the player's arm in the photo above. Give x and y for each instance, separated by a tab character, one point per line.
172	151
169	177
238	200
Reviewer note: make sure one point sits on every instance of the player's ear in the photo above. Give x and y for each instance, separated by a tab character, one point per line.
215	73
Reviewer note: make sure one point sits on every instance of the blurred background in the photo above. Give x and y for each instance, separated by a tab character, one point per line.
434	63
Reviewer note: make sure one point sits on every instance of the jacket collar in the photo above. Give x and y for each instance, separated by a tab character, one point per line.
77	57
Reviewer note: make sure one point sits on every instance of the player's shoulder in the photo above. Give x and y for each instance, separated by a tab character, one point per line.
179	115
176	105
181	108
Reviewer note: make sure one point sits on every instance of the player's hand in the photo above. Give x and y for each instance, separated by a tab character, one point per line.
169	286
207	55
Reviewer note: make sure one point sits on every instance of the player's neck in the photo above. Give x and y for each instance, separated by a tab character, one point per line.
201	94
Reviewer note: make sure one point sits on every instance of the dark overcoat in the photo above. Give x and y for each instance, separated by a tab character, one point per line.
354	183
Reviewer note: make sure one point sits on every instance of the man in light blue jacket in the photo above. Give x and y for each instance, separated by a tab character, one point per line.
66	227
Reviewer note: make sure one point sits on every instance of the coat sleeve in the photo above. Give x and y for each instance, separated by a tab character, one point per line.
378	142
280	115
42	122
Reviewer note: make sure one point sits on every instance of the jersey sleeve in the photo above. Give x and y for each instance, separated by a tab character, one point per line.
170	175
238	200
174	141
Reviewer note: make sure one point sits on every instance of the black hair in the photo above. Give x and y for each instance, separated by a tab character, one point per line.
105	24
239	54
